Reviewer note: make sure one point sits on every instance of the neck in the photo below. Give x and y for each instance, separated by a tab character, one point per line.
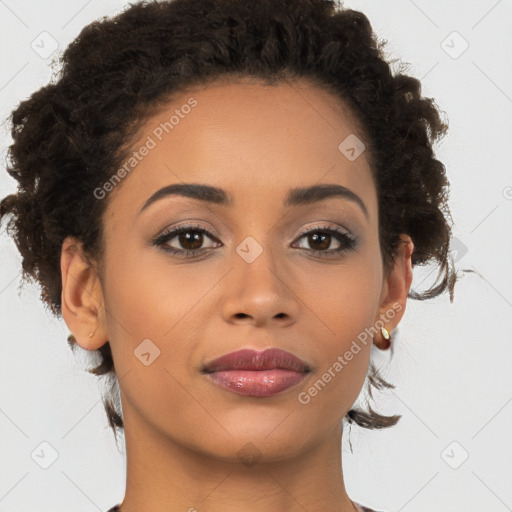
163	475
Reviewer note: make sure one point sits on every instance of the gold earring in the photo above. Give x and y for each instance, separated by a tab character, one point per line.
387	338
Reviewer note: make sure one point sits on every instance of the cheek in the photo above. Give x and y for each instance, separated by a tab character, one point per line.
147	297
344	299
343	305
343	358
152	314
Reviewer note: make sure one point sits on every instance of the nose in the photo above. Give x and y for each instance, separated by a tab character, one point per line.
260	292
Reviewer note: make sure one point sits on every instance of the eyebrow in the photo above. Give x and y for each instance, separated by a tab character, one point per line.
296	196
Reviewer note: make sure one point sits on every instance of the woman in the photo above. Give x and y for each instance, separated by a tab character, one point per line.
225	200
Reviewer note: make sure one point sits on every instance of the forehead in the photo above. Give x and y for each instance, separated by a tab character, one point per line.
255	141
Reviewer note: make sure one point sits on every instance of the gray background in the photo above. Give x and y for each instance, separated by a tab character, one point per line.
451	367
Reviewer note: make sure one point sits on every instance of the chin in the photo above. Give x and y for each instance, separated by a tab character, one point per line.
260	442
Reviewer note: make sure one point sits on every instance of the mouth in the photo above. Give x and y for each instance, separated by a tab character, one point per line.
257	374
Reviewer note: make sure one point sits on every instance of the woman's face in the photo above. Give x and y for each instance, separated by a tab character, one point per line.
255	280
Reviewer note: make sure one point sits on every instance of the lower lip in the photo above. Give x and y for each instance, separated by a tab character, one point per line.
258	383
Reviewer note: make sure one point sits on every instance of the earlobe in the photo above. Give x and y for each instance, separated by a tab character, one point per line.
394	293
81	296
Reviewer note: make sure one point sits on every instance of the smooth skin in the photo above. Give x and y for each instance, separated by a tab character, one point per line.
183	433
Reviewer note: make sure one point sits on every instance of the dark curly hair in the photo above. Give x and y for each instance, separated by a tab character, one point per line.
71	135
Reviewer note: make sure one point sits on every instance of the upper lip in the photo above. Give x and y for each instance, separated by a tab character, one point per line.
249	359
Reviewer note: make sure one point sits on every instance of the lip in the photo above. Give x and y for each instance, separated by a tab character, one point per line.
258	374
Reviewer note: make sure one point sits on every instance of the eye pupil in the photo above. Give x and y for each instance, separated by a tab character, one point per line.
196	238
314	238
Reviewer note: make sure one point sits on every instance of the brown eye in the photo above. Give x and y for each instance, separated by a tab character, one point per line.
190	241
186	240
319	240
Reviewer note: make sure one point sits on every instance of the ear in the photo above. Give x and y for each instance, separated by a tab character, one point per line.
82	303
396	286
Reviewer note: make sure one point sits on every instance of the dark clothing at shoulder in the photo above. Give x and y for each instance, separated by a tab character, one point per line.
366	509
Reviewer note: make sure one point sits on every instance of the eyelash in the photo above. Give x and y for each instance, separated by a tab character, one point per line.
348	241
